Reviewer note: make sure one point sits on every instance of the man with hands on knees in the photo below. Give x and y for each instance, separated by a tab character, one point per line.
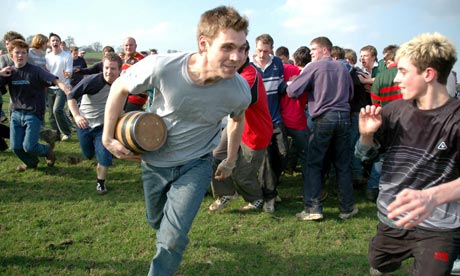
419	200
193	92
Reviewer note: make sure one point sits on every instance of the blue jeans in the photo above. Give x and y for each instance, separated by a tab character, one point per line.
24	135
376	171
332	129
58	118
173	197
91	144
300	142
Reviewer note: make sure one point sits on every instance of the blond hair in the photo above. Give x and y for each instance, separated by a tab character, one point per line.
38	41
430	50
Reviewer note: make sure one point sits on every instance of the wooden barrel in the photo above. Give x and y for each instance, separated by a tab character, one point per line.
141	131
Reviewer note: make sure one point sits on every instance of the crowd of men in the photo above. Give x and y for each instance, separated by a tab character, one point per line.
390	125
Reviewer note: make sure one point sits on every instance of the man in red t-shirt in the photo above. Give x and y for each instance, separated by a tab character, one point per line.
293	109
258	130
134	102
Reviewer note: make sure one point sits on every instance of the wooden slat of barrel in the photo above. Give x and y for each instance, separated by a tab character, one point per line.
141	131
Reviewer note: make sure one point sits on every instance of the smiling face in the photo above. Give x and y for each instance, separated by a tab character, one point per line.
111	70
411	82
225	54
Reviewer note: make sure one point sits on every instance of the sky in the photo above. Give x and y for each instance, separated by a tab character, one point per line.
171	25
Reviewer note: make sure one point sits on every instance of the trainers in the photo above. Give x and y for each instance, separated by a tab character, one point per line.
376	272
23	167
269	206
455	268
349	215
100	188
304	215
65	138
255	205
221	202
50	158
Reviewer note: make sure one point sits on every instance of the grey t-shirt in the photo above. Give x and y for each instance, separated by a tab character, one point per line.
191	112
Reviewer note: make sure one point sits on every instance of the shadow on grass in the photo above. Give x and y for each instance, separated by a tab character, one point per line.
256	259
22	265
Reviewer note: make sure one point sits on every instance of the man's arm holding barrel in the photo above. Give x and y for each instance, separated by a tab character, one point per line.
113	108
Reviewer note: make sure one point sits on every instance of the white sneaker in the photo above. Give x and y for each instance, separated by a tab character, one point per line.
304	215
349	215
65	137
255	205
222	201
269	206
455	268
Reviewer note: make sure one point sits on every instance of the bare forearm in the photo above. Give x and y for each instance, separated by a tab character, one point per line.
447	192
73	107
113	109
235	129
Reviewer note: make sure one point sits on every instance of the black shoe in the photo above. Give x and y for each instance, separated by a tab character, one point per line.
372	194
100	188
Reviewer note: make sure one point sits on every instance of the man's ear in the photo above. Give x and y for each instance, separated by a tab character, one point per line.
430	74
202	43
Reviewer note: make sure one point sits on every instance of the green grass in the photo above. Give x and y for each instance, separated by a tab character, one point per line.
92	57
52	222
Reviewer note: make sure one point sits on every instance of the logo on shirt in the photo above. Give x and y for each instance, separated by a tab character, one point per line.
442	146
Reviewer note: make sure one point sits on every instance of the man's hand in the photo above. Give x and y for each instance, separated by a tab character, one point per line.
224	170
370	119
5	72
120	152
413	205
81	121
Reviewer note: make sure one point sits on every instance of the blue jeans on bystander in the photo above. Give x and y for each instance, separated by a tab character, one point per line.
24	135
332	129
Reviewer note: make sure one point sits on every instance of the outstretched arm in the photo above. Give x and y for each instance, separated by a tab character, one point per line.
235	129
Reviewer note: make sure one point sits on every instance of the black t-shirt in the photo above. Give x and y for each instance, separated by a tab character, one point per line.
27	86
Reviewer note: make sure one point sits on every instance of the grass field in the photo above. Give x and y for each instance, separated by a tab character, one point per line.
52	222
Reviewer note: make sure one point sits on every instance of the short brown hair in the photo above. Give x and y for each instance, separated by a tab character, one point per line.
219	19
17	43
111	56
265	39
12	35
371	49
323	42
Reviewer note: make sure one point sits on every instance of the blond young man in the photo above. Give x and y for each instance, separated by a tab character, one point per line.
419	200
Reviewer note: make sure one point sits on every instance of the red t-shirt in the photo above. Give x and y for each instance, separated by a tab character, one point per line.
293	109
258	127
140	99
